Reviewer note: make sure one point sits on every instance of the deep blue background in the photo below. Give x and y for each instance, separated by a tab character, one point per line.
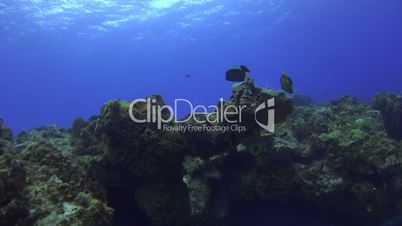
52	72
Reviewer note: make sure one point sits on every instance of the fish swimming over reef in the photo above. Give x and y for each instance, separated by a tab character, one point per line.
286	83
237	74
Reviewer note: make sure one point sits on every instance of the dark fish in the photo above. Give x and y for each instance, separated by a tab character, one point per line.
286	83
187	76
244	68
237	74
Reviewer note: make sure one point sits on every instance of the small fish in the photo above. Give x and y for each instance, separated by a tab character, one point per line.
187	76
286	83
237	74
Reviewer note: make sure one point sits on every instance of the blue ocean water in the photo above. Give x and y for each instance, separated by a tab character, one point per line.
62	59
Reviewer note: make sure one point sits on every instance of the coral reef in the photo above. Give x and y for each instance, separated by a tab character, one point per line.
342	159
56	188
13	204
58	179
390	106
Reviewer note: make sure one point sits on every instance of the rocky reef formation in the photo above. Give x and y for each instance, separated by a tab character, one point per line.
322	162
44	183
13	204
343	159
390	106
58	189
145	163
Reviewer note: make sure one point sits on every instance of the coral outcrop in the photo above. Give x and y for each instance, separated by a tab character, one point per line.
147	163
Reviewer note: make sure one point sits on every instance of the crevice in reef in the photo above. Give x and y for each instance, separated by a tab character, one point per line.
127	213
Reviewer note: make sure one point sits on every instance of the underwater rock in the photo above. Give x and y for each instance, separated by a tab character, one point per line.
85	137
338	158
83	210
350	158
390	106
56	179
13	203
56	136
200	176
